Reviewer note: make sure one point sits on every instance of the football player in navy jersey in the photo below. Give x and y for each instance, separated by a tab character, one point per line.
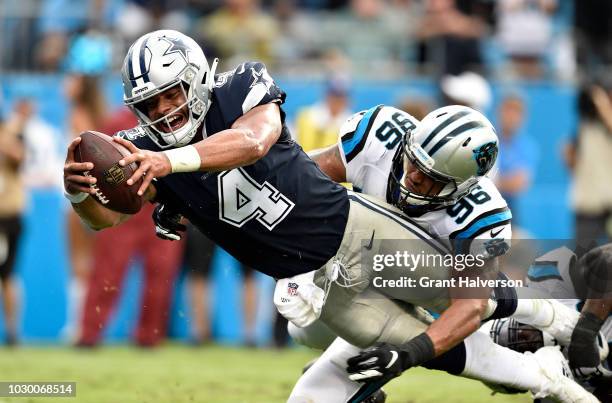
222	157
215	149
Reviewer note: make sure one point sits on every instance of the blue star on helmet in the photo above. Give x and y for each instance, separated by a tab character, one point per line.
261	77
176	46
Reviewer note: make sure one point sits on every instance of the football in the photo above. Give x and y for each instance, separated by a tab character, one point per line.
111	189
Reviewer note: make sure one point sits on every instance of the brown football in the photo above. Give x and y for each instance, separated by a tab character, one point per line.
111	188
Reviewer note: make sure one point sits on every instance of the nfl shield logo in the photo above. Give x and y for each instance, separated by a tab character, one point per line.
114	175
292	289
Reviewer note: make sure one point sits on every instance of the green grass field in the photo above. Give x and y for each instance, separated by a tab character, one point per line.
177	374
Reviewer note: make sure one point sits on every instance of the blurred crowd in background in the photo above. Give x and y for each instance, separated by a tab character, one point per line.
460	45
374	38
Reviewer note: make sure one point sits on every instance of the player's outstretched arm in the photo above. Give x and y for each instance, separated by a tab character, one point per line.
385	361
330	162
248	140
77	189
463	317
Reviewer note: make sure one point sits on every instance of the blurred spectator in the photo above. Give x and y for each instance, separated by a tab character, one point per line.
450	33
240	30
318	125
198	256
322	4
138	17
12	200
518	155
114	250
85	61
87	111
43	162
60	19
18	31
416	106
90	53
468	89
296	44
524	31
372	33
197	261
593	33
590	158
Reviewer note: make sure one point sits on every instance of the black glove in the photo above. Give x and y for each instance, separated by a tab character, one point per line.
387	361
167	223
584	348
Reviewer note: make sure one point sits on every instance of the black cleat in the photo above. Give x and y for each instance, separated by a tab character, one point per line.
380	396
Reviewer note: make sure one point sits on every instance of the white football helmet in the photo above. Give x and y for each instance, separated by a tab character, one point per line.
454	145
158	61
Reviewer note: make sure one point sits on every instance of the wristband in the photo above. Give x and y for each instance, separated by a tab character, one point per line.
418	351
184	159
76	198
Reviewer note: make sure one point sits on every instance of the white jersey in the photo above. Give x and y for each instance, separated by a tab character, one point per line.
551	274
368	143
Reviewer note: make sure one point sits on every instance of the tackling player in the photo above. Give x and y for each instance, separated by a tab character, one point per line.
435	172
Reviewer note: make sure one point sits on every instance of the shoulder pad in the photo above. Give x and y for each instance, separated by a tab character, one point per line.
132	134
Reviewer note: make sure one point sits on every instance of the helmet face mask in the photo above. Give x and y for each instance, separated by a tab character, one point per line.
454	147
518	336
161	129
157	62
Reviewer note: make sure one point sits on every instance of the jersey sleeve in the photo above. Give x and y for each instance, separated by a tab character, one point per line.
485	222
550	273
358	144
247	86
138	136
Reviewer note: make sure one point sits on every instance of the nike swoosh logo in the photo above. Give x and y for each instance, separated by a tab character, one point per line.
168	64
394	357
369	246
494	234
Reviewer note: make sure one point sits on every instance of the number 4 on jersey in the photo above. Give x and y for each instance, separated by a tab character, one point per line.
242	199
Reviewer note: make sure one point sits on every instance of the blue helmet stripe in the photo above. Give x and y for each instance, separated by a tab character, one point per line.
143	67
130	67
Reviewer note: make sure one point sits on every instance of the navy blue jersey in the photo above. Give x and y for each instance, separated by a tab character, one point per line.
280	215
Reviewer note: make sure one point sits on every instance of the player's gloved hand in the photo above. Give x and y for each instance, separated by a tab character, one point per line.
385	360
167	223
588	347
592	373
